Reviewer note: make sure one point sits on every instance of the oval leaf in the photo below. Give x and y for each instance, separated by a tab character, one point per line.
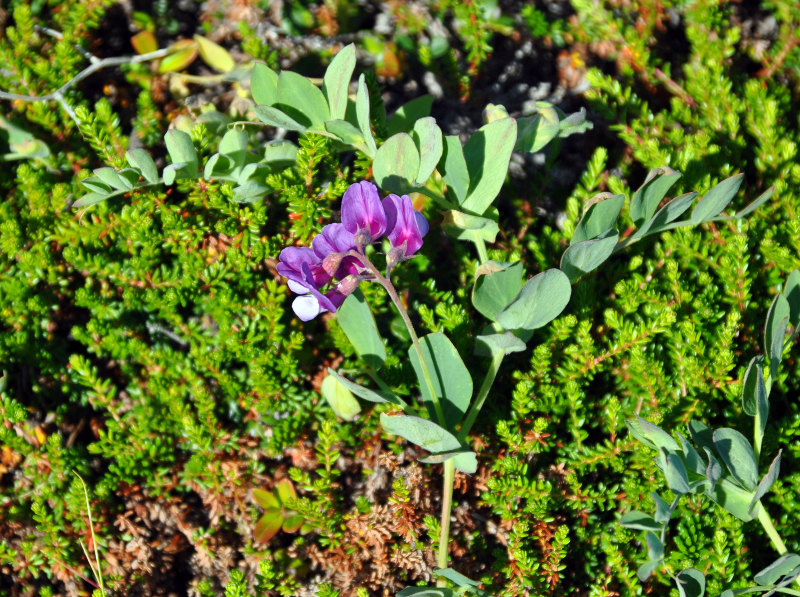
340	398
428	137
421	432
585	256
302	100
737	454
487	154
540	301
336	81
785	566
691	583
141	160
600	216
647	197
214	55
496	285
396	164
452	383
640	521
264	85
268	525
358	324
716	199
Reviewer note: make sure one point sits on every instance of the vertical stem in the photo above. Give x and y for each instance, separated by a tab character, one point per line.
483	255
447	507
483	392
390	289
772	533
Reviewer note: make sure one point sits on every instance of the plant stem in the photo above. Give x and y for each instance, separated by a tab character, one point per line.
390	289
447	507
483	255
772	533
494	367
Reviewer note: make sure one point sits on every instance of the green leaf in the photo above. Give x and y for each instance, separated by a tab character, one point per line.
301	100
758	202
716	199
112	178
651	435
538	130
464	460
428	137
487	154
347	133
456	578
493	344
754	393
266	499
217	166
285	491
574	123
358	324
421	432
655	548
690	455
691	583
675	473
453	168
214	55
264	85
140	159
470	228
340	398
585	256
96	185
336	81
292	523
268	525
766	482
234	145
90	199
496	285
788	565
668	214
640	521
366	393
599	217
647	197
452	383
791	290
774	332
362	116
646	570
181	151
701	435
663	513
396	164
402	121
540	301
713	471
737	454
280	153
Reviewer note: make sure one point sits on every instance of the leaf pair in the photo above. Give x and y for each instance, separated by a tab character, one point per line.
293	102
277	513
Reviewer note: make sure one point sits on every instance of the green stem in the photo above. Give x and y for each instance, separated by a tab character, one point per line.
390	289
488	380
447	507
772	533
483	255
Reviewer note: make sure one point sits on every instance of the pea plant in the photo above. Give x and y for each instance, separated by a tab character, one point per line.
462	182
722	465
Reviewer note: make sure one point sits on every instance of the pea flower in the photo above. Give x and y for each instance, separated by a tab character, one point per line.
307	277
330	246
405	227
362	213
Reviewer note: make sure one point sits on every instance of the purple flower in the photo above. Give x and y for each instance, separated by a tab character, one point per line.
306	276
330	246
405	226
362	213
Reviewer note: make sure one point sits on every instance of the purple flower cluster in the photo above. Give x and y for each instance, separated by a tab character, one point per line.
325	274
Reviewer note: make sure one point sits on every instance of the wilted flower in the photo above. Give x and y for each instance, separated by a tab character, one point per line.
362	213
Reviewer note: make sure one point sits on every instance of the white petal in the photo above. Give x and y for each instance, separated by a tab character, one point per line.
306	307
297	288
